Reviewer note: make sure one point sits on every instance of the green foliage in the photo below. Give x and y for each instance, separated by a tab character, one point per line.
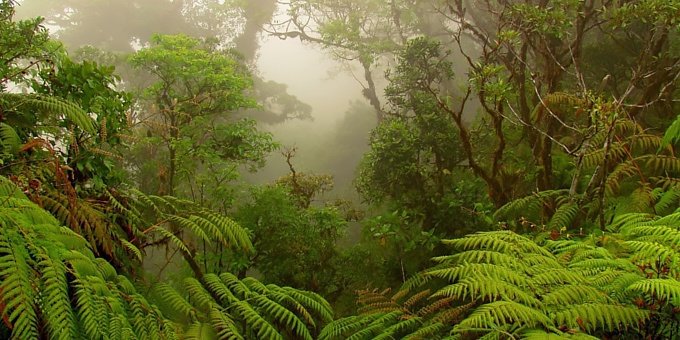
504	284
188	124
20	42
53	286
672	134
226	307
415	157
27	109
52	283
628	173
93	88
202	78
294	245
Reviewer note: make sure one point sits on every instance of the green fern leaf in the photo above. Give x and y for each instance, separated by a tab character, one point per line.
256	322
503	313
224	325
9	139
600	316
666	289
672	134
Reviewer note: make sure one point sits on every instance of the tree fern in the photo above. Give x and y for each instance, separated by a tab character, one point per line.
672	134
591	317
227	307
18	294
53	286
9	139
499	313
505	285
35	104
665	289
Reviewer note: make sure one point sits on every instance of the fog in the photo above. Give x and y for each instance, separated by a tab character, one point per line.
315	79
310	74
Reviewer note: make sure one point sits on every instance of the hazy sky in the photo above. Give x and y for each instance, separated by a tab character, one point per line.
310	75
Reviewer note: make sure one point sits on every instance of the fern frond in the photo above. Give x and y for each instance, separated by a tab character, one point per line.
666	289
256	322
234	234
653	252
9	139
198	295
132	248
436	306
661	163
672	134
593	253
281	315
427	331
18	294
235	285
564	216
481	256
489	270
277	294
486	289
402	326
374	328
312	302
617	288
218	288
176	301
668	201
536	334
655	233
574	294
526	206
91	311
416	298
500	241
49	105
199	331
176	241
592	316
189	224
553	276
503	313
599	264
224	325
624	221
670	220
61	321
339	329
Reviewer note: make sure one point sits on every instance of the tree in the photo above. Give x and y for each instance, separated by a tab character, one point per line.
187	109
99	23
363	31
415	159
519	58
72	271
296	245
120	26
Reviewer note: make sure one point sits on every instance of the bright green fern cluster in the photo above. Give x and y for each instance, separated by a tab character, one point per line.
224	307
52	285
499	285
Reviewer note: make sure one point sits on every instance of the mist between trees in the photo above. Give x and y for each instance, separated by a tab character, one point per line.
347	169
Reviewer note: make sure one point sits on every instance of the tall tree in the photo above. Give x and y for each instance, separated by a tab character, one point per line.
189	108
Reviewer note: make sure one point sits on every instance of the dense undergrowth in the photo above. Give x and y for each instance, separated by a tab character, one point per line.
554	214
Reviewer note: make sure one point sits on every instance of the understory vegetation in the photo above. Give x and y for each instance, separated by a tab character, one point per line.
522	181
